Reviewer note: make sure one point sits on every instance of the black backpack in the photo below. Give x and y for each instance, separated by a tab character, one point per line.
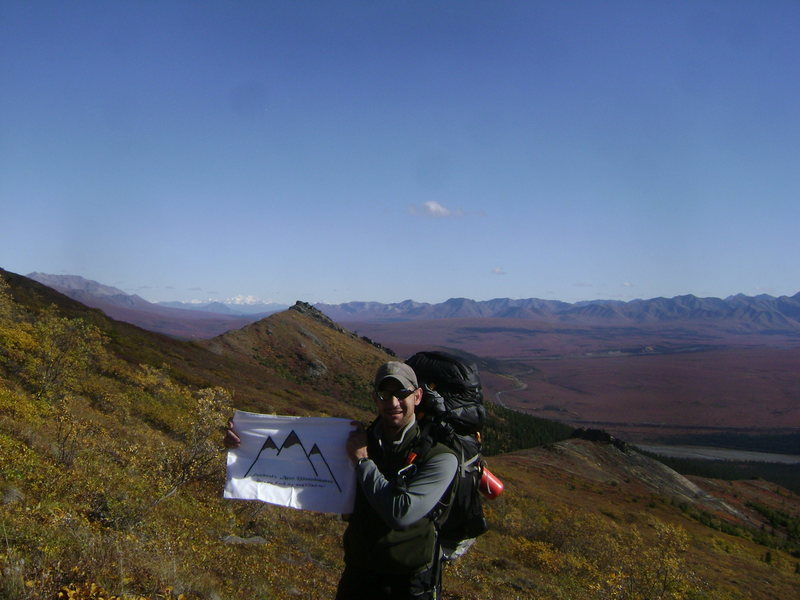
452	412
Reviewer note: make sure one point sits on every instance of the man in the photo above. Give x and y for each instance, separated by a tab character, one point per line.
391	543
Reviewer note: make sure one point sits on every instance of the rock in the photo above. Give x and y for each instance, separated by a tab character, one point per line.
11	495
235	539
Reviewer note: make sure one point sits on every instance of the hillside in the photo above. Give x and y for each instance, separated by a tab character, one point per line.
305	347
111	471
193	363
579	506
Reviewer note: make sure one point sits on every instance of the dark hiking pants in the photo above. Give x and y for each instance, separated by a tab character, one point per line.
360	584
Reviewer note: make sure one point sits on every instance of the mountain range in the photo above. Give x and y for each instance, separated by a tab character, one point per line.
761	312
739	313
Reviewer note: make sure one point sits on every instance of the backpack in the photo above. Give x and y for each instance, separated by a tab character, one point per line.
452	412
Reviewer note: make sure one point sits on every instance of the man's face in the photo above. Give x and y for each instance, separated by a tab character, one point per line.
396	412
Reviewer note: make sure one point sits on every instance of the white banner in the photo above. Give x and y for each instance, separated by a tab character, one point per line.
299	462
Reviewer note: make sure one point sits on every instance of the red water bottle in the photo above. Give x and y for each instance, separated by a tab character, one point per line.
489	485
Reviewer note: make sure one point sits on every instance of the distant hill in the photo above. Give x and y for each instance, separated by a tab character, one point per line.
76	285
186	320
753	313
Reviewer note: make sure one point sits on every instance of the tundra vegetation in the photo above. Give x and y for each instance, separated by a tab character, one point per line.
111	471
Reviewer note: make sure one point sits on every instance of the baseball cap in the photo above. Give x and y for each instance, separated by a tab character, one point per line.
399	371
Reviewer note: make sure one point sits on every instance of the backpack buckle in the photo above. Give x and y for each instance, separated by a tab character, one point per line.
404	474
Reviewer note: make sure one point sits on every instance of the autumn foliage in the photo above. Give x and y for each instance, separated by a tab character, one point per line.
111	472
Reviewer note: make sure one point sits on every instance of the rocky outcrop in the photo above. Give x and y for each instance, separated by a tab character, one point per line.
304	308
598	435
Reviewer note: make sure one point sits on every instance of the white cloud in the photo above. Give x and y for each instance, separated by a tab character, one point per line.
433	209
627	284
498	271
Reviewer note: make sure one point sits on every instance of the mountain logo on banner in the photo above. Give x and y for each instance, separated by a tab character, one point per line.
294	440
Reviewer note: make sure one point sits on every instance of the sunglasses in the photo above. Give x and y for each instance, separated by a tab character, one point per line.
387	395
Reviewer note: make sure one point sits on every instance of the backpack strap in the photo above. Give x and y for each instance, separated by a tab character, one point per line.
429	437
423	444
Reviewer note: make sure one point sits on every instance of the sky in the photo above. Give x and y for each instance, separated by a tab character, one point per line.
382	151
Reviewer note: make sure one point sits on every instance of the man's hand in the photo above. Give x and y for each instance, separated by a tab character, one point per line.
231	440
357	443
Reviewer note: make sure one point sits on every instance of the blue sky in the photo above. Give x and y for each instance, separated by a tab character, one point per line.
337	151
